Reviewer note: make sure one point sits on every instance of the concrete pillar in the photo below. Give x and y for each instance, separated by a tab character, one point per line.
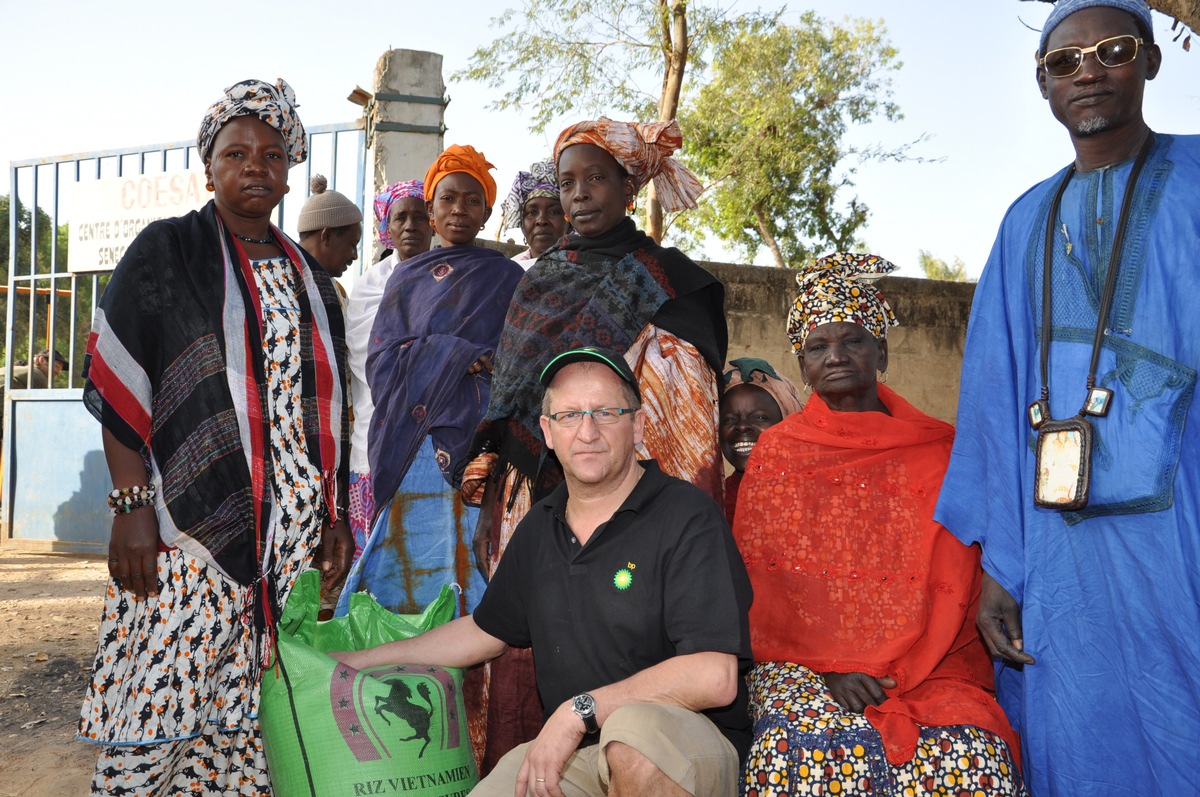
405	120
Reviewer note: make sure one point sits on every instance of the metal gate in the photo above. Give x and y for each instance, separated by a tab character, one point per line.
53	476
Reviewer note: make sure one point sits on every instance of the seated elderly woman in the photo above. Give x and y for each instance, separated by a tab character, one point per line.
535	205
871	678
754	399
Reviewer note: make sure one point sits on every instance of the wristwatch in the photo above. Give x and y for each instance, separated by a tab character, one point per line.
584	705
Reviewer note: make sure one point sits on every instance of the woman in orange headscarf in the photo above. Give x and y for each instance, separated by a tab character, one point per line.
870	676
429	371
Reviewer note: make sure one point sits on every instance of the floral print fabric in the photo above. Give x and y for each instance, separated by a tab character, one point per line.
276	105
804	743
644	150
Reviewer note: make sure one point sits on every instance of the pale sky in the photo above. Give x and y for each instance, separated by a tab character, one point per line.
86	76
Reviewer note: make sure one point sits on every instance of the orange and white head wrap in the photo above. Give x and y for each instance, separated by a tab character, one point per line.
838	288
644	151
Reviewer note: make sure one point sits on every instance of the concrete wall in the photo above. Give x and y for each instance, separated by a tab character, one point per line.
925	351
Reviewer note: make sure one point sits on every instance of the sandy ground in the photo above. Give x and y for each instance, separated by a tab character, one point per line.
49	611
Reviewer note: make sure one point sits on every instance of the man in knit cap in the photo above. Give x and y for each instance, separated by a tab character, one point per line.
1076	464
330	228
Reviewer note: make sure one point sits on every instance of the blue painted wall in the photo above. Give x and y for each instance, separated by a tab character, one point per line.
57	478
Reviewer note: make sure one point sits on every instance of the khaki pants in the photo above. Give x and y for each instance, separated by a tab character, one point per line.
686	746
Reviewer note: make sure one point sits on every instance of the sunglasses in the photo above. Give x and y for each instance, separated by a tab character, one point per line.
1114	52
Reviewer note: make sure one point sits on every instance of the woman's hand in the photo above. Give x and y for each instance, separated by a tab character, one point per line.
484	363
133	547
854	691
481	543
133	552
337	551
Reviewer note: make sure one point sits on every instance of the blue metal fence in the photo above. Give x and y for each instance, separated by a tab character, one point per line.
52	473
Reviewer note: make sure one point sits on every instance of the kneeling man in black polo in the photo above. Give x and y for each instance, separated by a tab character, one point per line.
628	586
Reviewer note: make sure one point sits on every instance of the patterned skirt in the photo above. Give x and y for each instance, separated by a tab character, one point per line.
805	743
174	695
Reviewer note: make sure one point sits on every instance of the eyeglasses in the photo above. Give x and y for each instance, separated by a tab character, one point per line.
603	416
1114	52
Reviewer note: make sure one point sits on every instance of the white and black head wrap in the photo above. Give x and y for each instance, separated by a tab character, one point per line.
275	105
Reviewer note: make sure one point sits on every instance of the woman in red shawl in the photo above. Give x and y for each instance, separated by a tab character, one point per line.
871	678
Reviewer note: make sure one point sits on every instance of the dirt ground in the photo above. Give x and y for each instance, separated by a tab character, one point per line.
49	612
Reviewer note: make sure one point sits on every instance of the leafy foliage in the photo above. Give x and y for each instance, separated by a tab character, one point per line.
598	57
765	128
767	133
937	269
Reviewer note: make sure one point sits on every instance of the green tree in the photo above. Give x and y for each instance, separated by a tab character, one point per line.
937	269
555	56
767	133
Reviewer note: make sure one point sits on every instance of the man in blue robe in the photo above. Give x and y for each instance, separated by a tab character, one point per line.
1093	613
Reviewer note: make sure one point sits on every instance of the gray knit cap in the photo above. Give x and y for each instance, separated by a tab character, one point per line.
327	209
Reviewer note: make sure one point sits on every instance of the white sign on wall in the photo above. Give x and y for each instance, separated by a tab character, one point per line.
106	215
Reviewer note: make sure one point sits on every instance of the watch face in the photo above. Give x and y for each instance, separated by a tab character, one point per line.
584	704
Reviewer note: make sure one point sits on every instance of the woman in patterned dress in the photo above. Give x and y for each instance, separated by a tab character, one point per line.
216	367
871	678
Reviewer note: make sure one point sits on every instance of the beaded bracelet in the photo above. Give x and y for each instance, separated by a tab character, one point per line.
124	510
127	499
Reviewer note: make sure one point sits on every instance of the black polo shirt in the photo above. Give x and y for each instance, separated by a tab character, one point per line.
662	578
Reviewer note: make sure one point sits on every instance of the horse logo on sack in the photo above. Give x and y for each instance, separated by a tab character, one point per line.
423	698
399	702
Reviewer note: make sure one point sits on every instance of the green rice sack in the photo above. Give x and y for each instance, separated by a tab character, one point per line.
332	731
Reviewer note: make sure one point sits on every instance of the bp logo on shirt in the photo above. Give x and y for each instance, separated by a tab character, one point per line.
623	578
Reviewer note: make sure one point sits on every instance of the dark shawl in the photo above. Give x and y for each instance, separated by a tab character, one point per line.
591	292
168	342
441	311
